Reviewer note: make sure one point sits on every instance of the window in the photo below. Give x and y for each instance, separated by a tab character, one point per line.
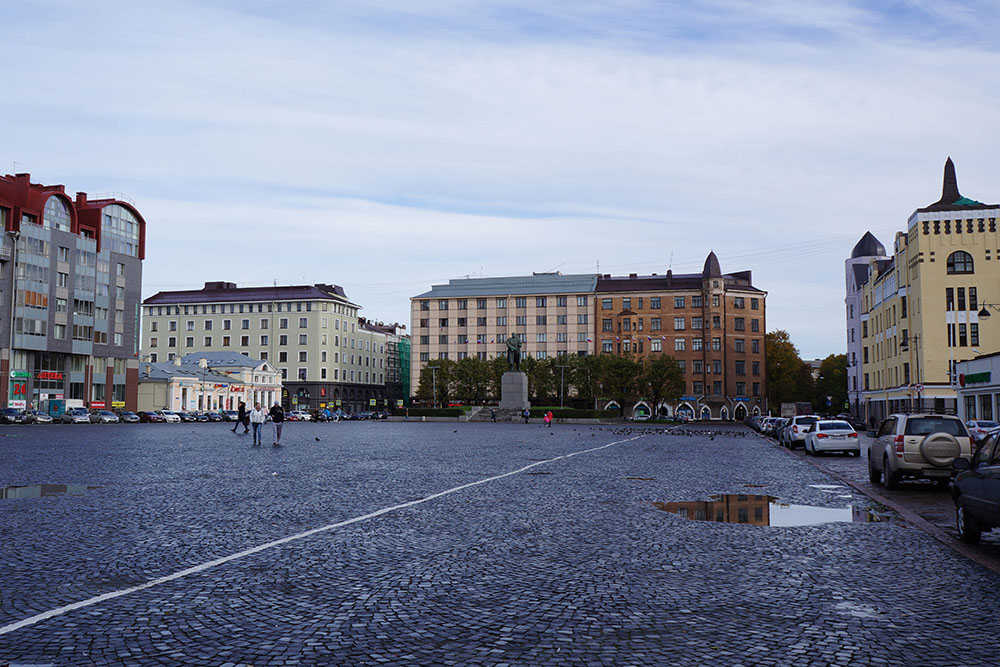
480	304
739	324
283	339
755	346
171	342
961	298
443	322
963	339
716	344
244	341
974	334
539	302
741	388
607	346
697	323
755	305
678	324
424	305
741	367
680	344
679	301
698	366
540	338
581	319
208	325
755	325
443	340
443	304
581	301
303	322
738	302
717	387
716	322
755	368
303	356
696	344
282	357
190	325
561	319
627	303
717	367
696	301
560	302
208	341
562	337
540	319
264	340
189	341
654	324
501	303
303	339
502	321
715	301
521	302
606	304
263	323
654	302
462	304
959	262
698	387
283	323
655	346
739	345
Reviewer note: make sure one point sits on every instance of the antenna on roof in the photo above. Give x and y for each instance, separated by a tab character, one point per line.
670	265
598	266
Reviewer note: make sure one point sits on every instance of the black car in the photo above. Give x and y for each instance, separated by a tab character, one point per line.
11	416
976	490
187	416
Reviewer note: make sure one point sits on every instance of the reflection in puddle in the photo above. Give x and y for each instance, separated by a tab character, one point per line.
43	490
756	510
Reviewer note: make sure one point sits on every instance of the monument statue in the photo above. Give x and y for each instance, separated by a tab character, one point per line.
513	353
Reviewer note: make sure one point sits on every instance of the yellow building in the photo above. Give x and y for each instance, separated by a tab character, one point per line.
919	307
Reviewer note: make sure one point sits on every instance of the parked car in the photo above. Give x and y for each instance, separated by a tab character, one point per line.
216	417
170	416
11	416
230	415
187	416
917	446
976	490
832	435
302	415
76	416
128	417
150	417
103	417
979	428
794	432
201	416
36	417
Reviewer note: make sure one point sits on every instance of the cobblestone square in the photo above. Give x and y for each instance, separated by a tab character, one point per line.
456	544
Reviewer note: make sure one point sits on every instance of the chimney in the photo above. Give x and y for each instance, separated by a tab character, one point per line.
177	361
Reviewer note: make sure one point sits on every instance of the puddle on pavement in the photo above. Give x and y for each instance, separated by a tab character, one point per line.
757	510
44	490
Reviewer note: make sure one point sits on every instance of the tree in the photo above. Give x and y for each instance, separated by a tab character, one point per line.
663	379
832	382
784	369
619	378
444	381
471	379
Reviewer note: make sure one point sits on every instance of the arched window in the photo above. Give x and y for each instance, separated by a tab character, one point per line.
960	262
56	214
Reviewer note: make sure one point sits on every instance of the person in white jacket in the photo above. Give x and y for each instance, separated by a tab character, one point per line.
257	419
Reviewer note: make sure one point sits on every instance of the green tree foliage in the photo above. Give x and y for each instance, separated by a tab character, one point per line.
662	380
445	381
784	370
619	379
832	382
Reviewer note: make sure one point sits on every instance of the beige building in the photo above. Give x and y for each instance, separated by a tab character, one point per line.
473	317
310	333
207	383
920	307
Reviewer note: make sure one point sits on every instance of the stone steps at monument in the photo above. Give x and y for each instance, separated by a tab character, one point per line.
503	415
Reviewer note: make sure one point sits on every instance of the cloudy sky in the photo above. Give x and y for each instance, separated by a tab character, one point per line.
387	146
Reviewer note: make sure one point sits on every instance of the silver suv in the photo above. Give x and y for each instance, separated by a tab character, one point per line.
917	446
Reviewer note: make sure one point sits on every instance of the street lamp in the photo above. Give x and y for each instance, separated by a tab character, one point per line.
434	393
203	365
14	236
562	374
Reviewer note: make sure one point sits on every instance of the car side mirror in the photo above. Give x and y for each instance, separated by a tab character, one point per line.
961	464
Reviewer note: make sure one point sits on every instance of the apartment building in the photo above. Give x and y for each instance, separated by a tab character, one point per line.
712	323
70	285
865	253
921	306
310	333
551	313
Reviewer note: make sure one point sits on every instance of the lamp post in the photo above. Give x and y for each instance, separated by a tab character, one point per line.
562	375
434	393
203	366
14	236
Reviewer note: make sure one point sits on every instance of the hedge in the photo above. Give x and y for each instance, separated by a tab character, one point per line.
572	413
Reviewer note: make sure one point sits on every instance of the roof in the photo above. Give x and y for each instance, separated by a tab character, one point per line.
164	371
220	359
538	283
951	198
712	268
225	292
868	246
860	274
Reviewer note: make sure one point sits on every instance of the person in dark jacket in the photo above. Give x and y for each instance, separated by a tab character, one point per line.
278	417
242	418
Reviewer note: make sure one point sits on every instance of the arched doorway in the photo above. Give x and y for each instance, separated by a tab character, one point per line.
740	413
756	411
724	413
641	411
685	411
302	398
706	413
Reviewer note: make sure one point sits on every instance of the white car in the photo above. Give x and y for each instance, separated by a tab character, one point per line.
794	432
170	416
302	415
978	428
832	435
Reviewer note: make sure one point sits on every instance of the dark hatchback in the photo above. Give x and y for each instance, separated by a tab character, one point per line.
150	418
11	416
976	490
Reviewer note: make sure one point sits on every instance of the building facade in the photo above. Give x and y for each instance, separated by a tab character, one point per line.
551	313
207	382
712	323
310	333
396	361
921	306
71	281
857	269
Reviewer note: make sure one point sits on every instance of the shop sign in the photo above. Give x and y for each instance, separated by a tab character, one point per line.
322	405
237	389
97	404
20	405
49	375
60	397
20	374
974	378
118	404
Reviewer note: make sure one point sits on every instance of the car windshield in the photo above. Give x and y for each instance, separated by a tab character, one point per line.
987	424
835	426
928	425
806	420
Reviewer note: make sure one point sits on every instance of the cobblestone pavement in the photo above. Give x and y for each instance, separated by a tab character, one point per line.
924	498
564	563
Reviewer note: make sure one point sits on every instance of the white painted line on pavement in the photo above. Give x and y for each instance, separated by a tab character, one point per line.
291	538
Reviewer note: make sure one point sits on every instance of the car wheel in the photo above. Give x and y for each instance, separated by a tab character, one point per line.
873	474
890	479
968	529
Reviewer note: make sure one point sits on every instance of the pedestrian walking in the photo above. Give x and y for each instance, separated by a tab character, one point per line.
493	416
526	414
278	417
257	419
548	419
241	419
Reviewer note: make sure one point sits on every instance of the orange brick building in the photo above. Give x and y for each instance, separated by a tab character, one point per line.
712	323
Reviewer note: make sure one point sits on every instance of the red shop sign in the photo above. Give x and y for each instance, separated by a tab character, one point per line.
49	375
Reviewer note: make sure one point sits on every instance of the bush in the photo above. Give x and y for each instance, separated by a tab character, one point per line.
572	413
434	412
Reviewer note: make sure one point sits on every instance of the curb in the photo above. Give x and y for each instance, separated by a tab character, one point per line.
908	515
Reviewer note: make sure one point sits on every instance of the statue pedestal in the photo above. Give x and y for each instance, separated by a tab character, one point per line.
514	391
